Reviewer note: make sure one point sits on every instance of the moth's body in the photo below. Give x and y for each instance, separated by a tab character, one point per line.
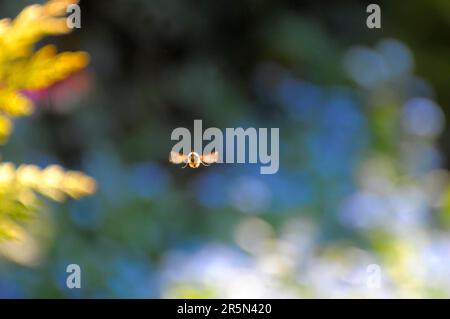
193	159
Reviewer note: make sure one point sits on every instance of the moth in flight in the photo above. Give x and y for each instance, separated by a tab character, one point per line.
193	159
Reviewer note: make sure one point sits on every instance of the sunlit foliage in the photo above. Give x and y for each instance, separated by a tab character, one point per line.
24	68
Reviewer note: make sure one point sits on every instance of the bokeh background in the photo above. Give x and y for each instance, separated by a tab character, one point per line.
363	176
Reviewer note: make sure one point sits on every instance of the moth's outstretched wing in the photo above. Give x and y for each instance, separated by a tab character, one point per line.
177	158
210	158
